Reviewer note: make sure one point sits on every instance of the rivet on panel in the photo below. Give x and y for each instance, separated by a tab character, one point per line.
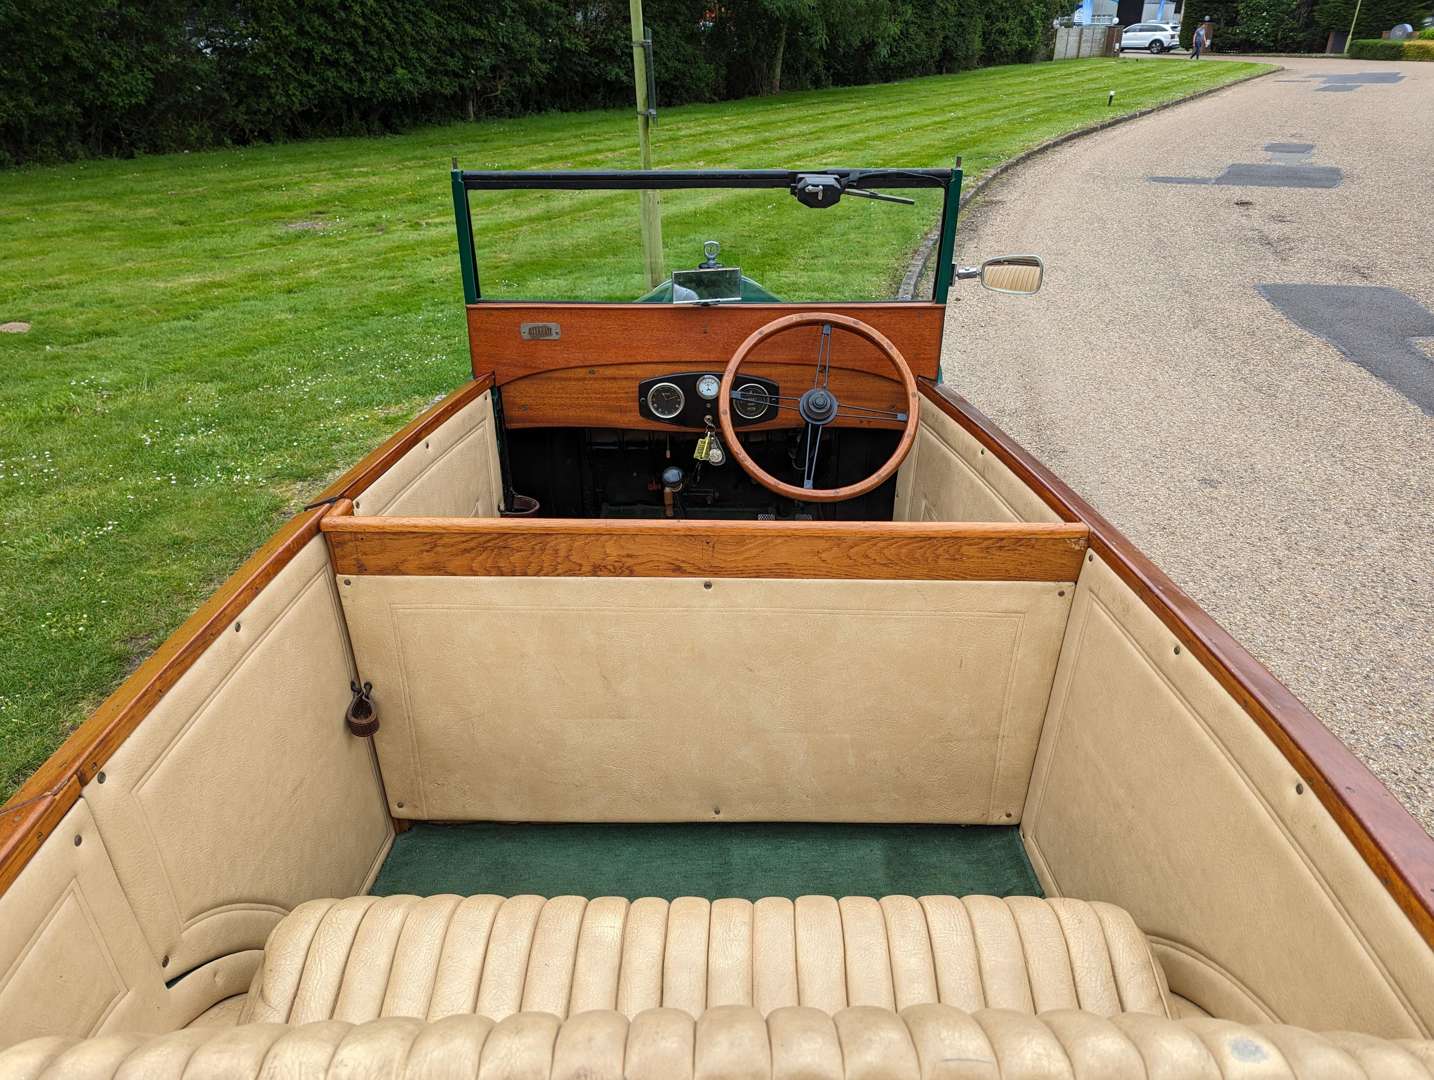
100	778
1062	592
707	584
1090	558
399	805
425	444
716	811
348	581
164	962
79	840
983	453
1177	650
1299	789
237	625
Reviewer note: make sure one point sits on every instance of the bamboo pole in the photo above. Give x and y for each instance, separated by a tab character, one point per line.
651	206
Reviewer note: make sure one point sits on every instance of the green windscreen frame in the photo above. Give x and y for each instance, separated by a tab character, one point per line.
465	181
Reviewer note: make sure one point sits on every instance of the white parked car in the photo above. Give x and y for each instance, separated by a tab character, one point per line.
1157	37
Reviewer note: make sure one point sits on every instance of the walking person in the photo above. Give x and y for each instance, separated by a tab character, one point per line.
1198	43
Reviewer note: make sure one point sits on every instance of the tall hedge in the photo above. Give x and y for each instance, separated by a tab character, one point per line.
119	77
1293	25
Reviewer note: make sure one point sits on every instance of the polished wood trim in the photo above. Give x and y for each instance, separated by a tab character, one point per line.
820	319
684	336
55	786
378	461
24	827
1392	843
606	397
538	547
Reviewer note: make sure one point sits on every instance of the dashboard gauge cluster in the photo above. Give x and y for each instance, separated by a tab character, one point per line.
687	399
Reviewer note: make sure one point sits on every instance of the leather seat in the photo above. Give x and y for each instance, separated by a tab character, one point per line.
921	1042
367	958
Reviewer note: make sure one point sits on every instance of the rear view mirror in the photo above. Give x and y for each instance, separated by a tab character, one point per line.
1013	274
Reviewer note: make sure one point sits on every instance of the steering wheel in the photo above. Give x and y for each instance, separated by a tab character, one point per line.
818	406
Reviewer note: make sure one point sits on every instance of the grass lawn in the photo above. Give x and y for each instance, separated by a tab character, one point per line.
215	335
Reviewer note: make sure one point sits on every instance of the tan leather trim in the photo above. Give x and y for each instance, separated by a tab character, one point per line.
242	794
1152	790
887	701
733	1041
451	472
73	960
1395	846
951	477
360	477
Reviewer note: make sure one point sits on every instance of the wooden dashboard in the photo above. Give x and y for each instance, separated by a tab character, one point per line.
579	365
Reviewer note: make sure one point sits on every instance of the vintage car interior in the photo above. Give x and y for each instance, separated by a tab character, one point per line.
706	689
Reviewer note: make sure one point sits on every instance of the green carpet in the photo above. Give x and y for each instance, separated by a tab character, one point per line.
713	861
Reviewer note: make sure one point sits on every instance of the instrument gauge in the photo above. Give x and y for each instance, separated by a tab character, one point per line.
666	400
751	401
707	387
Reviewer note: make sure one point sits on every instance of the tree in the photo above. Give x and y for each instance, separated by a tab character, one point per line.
1271	25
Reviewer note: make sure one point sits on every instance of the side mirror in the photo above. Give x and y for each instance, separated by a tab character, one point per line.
1020	274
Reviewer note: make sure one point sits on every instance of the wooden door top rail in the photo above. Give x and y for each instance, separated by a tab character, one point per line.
492	547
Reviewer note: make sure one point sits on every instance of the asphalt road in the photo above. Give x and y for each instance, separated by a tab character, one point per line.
1233	359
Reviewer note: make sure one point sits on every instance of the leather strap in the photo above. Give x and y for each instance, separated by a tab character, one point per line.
362	716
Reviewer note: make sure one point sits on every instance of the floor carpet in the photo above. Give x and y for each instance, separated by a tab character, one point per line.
737	860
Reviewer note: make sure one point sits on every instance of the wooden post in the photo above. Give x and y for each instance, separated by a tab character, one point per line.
651	204
1352	22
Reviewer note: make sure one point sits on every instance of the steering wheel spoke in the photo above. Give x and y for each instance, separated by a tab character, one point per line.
809	464
862	412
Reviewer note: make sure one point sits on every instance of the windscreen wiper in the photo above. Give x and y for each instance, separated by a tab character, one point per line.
820	190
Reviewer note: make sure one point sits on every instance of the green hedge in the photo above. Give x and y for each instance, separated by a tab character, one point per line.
1384	49
1294	25
1426	35
118	77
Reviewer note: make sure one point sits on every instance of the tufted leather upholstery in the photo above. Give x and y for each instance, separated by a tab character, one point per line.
365	958
737	1043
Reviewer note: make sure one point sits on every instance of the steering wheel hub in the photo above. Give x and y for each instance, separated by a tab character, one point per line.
818	406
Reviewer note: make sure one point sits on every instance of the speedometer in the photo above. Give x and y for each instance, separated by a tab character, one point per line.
707	387
751	401
666	400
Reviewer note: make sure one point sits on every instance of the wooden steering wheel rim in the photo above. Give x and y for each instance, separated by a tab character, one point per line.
861	329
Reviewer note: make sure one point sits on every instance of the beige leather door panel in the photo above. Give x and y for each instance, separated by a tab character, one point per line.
1154	790
661	699
73	960
242	793
949	476
453	472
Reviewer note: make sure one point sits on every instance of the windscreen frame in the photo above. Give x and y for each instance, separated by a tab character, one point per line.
468	180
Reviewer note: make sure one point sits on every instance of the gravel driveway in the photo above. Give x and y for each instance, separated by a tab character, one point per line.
1232	361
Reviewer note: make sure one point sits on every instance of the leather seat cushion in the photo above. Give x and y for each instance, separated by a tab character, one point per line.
367	957
737	1043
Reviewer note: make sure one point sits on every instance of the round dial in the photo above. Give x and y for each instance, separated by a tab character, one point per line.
666	400
707	387
750	400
